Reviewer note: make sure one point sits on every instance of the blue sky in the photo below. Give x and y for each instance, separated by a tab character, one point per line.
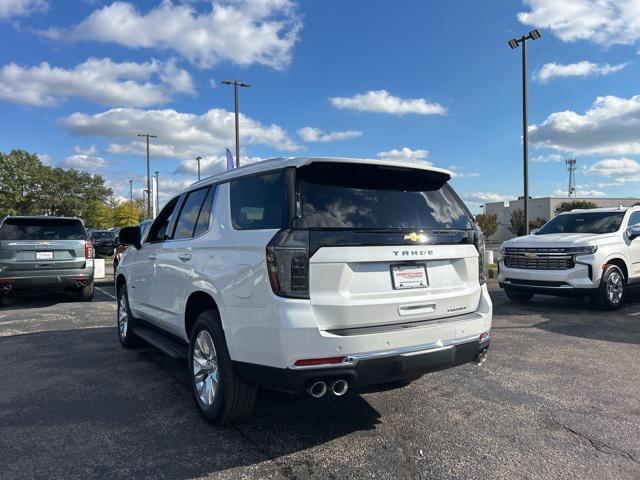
420	81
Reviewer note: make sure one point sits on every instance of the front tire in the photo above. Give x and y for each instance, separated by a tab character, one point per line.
518	297
612	288
221	397
126	321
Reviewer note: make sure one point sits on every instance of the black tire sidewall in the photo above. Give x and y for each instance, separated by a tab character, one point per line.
604	298
210	322
128	341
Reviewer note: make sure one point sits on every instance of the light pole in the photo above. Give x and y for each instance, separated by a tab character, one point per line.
148	136
198	158
158	190
236	84
514	43
131	198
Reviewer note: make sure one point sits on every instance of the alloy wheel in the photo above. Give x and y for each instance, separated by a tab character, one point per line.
123	317
205	368
615	288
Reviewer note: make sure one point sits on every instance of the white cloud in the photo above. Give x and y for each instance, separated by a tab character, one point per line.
210	165
457	173
180	135
605	22
405	154
549	71
579	193
244	32
486	197
21	8
552	157
85	159
381	101
610	126
620	170
99	80
312	134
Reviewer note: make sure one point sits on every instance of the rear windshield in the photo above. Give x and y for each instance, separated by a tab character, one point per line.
594	222
103	235
377	197
42	229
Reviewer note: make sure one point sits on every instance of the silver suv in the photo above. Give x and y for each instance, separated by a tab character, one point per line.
45	253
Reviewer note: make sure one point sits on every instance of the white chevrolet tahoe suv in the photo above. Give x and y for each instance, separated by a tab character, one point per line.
583	252
311	274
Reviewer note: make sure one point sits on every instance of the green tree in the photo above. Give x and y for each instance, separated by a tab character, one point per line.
21	178
126	214
574	204
488	223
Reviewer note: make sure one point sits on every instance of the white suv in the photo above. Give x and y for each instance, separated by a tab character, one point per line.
311	274
582	252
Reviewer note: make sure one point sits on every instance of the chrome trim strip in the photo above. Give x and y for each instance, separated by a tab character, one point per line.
352	360
509	282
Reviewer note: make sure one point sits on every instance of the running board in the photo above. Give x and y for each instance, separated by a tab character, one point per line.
167	345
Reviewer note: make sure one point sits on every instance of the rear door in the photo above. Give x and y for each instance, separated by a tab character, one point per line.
35	244
387	245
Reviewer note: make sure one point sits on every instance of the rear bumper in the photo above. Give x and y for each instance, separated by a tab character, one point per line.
50	281
369	370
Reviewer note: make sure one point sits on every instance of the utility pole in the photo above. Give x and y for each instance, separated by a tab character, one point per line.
198	158
236	84
131	198
571	168
148	136
514	43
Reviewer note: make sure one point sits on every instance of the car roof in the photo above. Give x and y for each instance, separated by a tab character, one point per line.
284	162
41	217
601	210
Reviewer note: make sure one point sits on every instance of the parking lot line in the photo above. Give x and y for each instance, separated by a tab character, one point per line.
106	293
635	314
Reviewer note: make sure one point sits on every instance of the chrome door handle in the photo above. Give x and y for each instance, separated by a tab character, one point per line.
153	257
184	256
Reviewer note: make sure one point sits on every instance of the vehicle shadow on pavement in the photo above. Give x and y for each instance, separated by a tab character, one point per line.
577	317
75	404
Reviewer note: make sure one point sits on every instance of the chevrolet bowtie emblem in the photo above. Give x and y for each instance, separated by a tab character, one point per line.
415	237
532	256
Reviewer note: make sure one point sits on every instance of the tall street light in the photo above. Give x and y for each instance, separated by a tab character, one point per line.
236	84
198	158
515	43
158	190
148	136
131	198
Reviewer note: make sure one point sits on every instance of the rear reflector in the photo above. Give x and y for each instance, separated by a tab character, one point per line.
484	336
318	361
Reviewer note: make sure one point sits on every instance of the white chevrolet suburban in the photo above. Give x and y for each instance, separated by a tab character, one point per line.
583	252
313	274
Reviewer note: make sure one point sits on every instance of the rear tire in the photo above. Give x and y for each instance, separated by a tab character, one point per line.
85	294
222	398
125	321
612	288
518	297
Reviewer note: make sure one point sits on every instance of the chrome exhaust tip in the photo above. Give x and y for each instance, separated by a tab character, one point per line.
339	387
317	389
482	357
7	287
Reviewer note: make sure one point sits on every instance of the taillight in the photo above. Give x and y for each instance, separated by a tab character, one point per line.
288	263
88	249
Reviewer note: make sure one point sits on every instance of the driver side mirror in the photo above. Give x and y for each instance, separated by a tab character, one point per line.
130	236
633	232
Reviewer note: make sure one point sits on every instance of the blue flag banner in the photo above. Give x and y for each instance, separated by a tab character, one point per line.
230	162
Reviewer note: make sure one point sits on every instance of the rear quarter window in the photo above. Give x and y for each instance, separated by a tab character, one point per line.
259	202
42	229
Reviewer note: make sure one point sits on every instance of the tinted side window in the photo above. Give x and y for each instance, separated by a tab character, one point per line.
158	229
634	219
259	202
189	214
204	218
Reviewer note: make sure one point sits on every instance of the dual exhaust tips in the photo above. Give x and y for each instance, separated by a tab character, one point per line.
7	287
319	389
82	283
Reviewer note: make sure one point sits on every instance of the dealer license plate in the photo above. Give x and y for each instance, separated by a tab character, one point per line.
44	255
409	276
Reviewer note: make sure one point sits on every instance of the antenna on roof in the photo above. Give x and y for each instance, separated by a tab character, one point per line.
571	167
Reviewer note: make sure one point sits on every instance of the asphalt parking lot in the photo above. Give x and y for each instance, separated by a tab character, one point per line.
559	397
